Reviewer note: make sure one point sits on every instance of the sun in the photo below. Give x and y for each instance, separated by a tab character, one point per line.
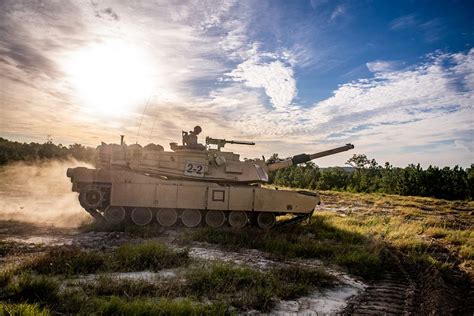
111	77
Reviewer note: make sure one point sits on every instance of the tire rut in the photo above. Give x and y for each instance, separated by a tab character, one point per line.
395	293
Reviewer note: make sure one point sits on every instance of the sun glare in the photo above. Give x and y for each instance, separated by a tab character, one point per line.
111	77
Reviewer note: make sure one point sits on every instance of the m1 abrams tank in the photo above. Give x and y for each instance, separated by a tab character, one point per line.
193	185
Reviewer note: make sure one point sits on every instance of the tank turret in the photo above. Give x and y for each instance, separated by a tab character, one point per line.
195	161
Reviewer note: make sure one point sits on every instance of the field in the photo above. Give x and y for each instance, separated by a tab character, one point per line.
360	253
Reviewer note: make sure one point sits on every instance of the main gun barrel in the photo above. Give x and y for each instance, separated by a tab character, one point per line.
305	157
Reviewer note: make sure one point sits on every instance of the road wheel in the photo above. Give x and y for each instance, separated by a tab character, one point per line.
266	220
167	217
142	216
114	214
238	219
191	218
215	218
91	197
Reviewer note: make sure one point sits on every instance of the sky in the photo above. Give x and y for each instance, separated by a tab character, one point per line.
395	78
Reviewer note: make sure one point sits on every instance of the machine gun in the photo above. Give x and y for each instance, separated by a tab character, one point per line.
221	142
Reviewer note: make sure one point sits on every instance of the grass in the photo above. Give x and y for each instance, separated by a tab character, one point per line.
129	257
69	260
355	234
41	282
360	255
33	289
22	310
221	284
246	288
148	306
149	256
242	287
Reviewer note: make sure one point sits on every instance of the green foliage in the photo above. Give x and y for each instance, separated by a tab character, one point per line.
149	256
317	240
129	257
34	289
119	306
247	288
15	151
368	176
69	260
22	310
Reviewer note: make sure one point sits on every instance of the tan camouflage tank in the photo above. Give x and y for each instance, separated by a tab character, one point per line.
192	185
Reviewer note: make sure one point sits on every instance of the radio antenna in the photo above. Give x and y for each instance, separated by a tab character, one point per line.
153	126
141	120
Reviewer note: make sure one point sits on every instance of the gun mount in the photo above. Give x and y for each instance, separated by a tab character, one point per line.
222	142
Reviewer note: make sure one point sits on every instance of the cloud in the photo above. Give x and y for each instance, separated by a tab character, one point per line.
274	76
411	107
431	30
383	66
403	22
107	13
340	10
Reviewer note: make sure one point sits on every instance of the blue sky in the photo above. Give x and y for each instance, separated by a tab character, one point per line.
396	78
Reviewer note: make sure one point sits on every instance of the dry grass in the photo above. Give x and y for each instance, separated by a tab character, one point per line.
419	226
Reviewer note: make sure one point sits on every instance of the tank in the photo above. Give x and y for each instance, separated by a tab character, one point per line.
191	185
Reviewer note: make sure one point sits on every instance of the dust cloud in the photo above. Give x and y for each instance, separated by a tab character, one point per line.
40	192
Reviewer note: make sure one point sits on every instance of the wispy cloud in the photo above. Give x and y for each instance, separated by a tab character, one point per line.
430	29
339	11
403	22
383	66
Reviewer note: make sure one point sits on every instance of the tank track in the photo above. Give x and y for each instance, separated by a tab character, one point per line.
99	216
410	289
395	293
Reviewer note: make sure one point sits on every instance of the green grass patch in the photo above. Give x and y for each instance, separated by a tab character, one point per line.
149	256
69	260
246	288
22	310
320	239
109	286
241	287
121	306
33	289
129	257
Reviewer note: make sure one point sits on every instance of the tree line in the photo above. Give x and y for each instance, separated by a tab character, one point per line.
15	151
366	175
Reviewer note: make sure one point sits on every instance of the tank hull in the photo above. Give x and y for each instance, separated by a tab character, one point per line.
131	190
